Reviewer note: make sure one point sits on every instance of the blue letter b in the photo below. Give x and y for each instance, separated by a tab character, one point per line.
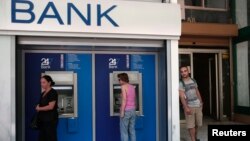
29	11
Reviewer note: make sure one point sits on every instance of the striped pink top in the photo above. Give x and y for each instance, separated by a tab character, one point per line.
131	97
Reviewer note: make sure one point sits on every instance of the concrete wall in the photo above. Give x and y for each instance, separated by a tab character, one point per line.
7	87
241	13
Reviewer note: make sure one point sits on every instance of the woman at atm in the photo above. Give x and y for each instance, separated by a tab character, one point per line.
127	109
47	110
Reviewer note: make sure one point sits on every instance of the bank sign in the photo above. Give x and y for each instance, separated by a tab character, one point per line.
88	16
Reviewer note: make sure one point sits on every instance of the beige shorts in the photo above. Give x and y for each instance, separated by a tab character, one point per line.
195	119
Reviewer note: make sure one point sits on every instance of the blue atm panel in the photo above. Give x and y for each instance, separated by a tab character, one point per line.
78	128
107	127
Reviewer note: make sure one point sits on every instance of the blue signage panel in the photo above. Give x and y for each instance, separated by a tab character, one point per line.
80	128
146	65
37	63
107	127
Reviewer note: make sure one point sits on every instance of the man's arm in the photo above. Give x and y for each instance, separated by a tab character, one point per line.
184	102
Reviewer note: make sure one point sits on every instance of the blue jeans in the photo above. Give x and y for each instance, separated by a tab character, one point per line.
127	126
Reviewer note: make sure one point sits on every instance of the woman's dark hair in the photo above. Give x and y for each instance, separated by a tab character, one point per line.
49	79
123	77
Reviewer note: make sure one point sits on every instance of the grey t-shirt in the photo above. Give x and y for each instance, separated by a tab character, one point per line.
190	92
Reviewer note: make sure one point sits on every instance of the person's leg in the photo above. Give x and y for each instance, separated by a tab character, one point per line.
124	127
190	122
198	119
53	135
41	133
192	134
51	131
132	133
196	133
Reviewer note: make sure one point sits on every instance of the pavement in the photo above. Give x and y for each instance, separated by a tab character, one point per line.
202	132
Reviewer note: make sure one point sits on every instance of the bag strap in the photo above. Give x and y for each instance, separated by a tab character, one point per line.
193	80
183	83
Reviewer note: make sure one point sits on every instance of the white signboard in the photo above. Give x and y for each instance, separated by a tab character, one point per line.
88	16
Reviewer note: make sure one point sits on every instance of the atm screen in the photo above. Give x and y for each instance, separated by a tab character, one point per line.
117	97
65	99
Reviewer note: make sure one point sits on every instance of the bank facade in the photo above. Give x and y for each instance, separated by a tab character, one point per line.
83	45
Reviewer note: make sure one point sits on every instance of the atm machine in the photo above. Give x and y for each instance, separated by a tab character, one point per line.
135	79
66	86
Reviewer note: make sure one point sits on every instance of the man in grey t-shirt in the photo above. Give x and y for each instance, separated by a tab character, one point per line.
191	102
